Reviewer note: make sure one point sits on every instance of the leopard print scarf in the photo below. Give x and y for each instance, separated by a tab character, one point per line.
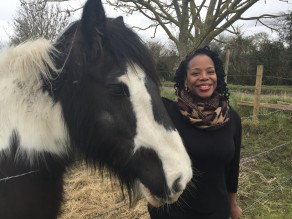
212	114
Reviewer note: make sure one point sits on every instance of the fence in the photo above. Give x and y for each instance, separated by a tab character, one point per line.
255	158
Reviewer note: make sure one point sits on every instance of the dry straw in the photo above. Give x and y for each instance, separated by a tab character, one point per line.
90	196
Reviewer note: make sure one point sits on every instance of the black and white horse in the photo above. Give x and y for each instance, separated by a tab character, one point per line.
94	95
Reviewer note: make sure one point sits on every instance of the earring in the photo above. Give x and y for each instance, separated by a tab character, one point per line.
187	89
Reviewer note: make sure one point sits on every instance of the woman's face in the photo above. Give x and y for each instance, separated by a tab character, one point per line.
201	78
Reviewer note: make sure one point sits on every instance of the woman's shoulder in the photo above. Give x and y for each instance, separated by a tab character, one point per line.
170	106
167	102
235	114
164	99
235	119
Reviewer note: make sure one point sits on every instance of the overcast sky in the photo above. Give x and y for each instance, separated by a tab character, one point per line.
8	9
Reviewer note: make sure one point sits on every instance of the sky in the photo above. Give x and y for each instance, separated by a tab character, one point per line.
8	9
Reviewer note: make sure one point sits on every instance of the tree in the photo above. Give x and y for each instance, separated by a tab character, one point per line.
37	19
240	68
249	51
165	57
197	23
283	25
284	29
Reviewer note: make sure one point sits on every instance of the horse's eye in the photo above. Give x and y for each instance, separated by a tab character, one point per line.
119	89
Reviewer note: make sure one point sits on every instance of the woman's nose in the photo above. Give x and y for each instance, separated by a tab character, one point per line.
204	76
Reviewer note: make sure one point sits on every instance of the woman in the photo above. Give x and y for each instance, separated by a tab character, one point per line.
211	131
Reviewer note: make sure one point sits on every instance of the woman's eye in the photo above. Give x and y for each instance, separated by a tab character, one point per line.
119	89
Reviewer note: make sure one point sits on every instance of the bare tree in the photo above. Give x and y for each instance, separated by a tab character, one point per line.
283	26
197	22
36	19
165	56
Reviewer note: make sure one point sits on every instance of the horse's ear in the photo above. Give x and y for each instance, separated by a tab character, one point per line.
119	21
93	24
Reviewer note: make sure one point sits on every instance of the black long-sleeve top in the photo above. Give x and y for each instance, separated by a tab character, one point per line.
215	157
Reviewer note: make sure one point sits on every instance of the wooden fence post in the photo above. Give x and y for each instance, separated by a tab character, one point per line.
227	64
257	93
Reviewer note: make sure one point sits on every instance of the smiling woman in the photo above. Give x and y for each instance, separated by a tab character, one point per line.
211	131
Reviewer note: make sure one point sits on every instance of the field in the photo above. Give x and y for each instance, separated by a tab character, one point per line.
265	190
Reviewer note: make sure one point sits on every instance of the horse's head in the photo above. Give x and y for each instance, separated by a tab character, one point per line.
109	93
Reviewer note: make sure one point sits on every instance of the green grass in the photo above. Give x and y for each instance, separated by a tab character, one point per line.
266	89
264	189
168	92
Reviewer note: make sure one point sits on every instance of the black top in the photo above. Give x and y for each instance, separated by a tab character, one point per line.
215	158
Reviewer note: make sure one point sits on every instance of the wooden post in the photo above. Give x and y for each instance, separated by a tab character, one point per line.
227	64
257	93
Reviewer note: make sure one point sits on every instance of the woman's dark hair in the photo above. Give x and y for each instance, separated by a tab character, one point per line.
181	72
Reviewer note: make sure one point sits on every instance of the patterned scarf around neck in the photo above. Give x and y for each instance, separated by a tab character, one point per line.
211	114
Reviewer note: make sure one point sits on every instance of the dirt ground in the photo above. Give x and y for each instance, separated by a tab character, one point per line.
89	196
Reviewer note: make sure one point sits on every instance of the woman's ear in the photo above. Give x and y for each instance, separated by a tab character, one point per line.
185	82
186	85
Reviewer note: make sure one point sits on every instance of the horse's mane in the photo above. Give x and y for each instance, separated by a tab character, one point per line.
22	71
31	58
125	43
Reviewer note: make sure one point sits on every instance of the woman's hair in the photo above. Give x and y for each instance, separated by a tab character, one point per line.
181	72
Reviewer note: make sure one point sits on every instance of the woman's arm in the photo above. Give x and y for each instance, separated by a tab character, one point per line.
235	210
232	180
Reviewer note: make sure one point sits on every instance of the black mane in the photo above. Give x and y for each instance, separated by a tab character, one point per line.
128	45
124	44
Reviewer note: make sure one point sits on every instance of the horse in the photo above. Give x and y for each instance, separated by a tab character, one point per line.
93	94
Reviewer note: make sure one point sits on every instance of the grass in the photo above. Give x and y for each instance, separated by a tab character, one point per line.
265	184
264	188
266	89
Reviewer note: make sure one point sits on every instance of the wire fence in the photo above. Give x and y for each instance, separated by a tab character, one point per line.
17	176
248	159
245	160
265	195
264	76
263	114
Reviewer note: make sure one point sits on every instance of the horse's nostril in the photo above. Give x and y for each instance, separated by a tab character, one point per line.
176	186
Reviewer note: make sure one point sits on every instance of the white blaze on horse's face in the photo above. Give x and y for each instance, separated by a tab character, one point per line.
150	134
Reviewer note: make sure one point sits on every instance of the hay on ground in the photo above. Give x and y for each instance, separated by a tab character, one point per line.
90	196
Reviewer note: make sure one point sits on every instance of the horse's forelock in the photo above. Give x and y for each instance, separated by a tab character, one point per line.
117	40
127	46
